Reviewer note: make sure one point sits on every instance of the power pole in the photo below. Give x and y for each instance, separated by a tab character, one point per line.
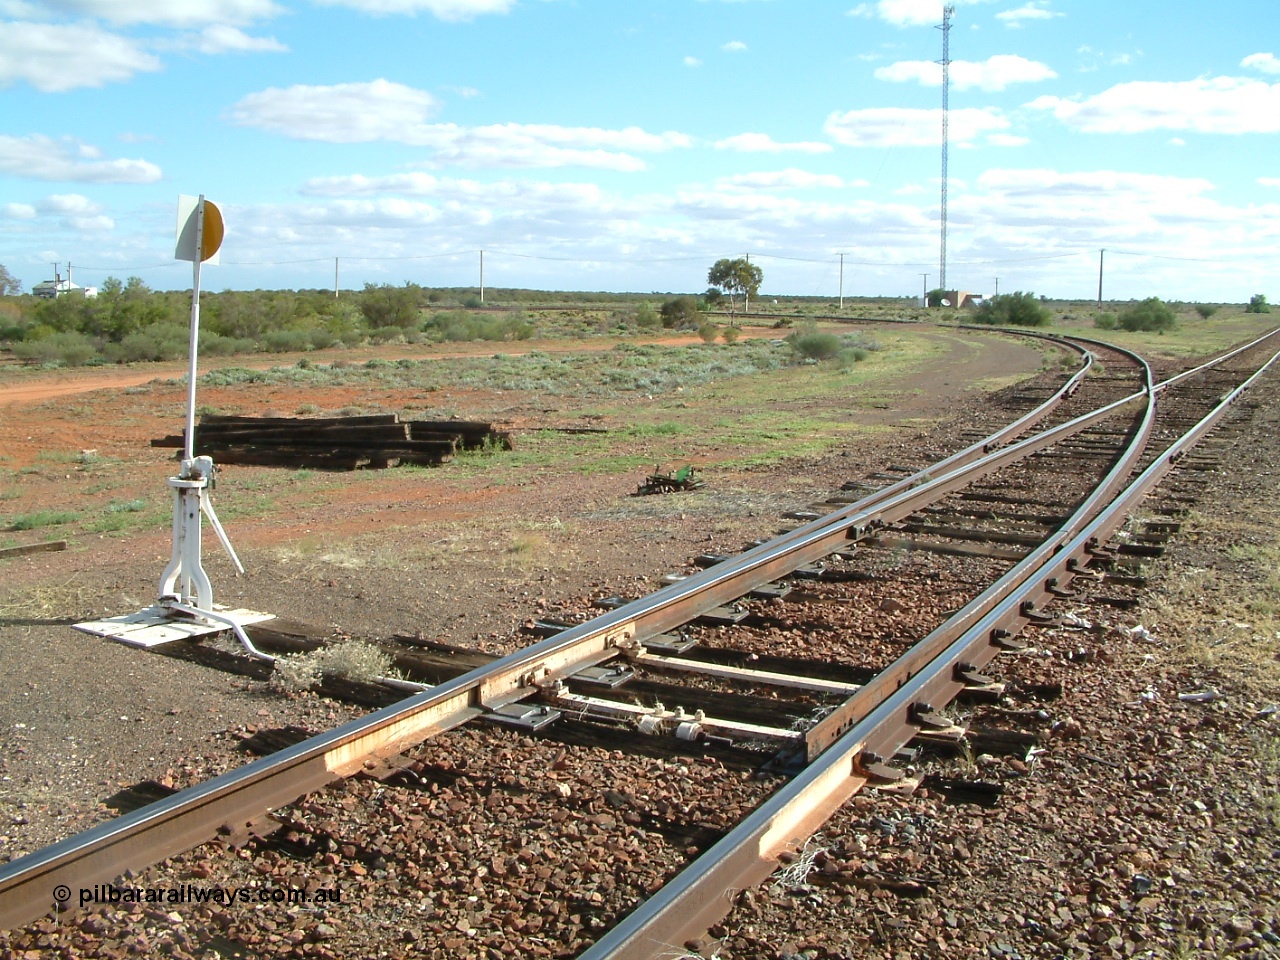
947	13
924	291
842	281
335	278
997	293
1101	254
746	294
482	276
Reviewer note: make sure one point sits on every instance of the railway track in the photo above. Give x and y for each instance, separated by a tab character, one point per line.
1013	520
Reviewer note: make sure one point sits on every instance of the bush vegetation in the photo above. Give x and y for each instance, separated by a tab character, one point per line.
1152	314
681	313
1013	309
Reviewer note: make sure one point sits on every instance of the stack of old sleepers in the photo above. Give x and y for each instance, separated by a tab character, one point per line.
337	443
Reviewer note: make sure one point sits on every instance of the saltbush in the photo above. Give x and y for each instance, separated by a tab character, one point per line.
69	349
1013	309
814	346
647	318
681	312
286	341
1105	321
160	341
1151	314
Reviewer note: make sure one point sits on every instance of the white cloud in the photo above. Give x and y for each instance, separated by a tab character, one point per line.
55	58
222	38
914	13
1265	62
1007	140
19	211
1269	181
692	62
38	157
908	13
1035	10
789	179
343	113
902	127
544	145
76	211
450	10
863	10
1203	105
385	111
763	143
362	113
452	189
1049	199
734	46
181	13
994	73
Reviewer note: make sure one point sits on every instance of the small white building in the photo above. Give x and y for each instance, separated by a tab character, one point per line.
49	289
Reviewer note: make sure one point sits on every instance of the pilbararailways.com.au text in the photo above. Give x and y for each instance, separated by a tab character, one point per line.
103	893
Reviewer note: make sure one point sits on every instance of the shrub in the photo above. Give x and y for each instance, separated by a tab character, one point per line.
848	356
386	335
160	341
388	306
1105	321
458	325
729	334
286	341
1013	309
69	349
1151	314
216	345
680	312
646	317
814	346
1206	310
1258	304
708	332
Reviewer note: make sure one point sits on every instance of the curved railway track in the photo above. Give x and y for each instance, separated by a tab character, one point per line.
1018	519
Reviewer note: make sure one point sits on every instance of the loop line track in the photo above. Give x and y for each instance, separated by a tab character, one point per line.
870	724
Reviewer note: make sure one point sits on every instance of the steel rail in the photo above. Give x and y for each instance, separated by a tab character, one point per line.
238	797
701	894
232	800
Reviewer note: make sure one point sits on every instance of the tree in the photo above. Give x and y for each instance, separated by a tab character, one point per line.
1258	304
388	306
1151	314
10	286
1013	309
739	276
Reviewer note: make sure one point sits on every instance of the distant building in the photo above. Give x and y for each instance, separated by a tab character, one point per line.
961	298
49	289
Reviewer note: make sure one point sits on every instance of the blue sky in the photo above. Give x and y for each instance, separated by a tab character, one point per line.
610	145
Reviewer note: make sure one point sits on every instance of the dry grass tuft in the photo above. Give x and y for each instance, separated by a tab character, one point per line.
351	659
48	602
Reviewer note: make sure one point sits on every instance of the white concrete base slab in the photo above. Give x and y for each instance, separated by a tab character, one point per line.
156	625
